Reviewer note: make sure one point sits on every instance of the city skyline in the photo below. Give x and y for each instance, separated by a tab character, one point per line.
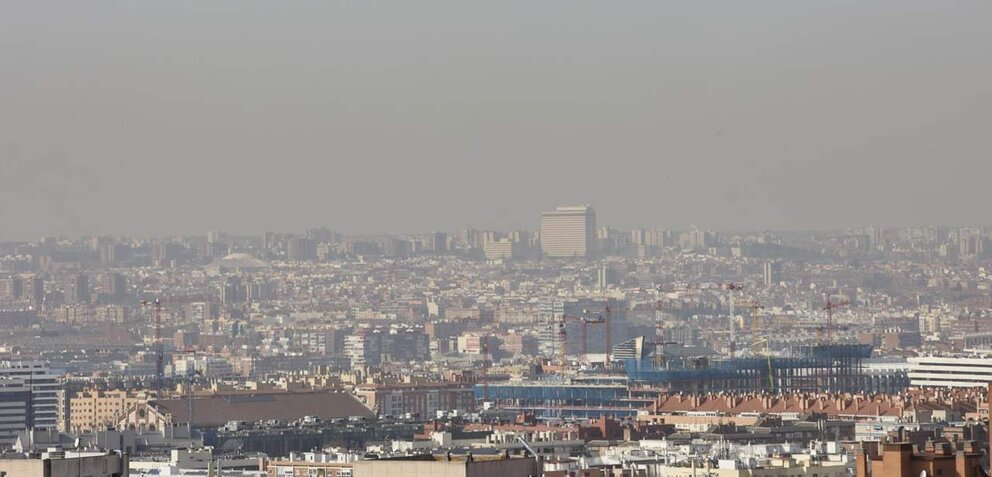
533	228
565	238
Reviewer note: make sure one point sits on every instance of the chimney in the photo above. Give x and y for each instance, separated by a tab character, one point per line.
898	456
863	463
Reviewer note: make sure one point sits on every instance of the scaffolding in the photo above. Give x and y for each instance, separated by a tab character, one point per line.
819	368
560	400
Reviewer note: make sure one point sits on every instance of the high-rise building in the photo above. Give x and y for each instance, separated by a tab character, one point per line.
77	289
33	290
11	288
568	232
300	249
364	348
43	388
970	242
233	291
772	274
114	286
502	249
436	242
605	277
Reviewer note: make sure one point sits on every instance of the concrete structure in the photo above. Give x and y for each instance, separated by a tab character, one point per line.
569	232
467	466
218	409
55	463
950	371
424	400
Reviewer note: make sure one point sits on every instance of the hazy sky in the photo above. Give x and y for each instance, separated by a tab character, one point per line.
169	117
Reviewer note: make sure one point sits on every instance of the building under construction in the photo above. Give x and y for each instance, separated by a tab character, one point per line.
561	400
807	368
812	369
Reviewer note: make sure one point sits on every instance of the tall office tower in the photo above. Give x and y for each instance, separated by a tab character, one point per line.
364	348
605	277
42	387
77	289
876	238
216	236
772	274
114	286
11	288
437	242
969	242
300	249
112	254
233	291
33	290
697	239
568	232
321	235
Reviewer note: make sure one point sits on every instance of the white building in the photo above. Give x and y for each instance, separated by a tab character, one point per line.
44	389
950	371
568	232
503	249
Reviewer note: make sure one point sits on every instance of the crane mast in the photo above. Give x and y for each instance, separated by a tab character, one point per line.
159	350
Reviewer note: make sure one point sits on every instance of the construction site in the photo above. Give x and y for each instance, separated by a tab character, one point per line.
634	384
808	368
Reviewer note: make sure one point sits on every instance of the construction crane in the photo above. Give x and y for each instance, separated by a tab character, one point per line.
609	337
585	322
485	368
830	306
562	337
159	350
756	346
658	333
760	345
191	374
734	286
753	306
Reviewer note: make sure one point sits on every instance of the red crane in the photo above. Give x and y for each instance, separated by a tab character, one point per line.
734	286
829	306
585	322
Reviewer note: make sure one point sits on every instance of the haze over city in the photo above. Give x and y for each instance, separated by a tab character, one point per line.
539	238
161	118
